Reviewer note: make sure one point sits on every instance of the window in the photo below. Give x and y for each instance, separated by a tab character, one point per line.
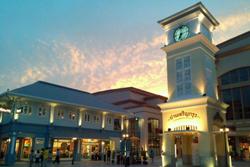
72	115
227	98
87	117
246	101
60	114
179	64
179	77
187	75
243	74
27	110
183	76
41	111
187	62
117	124
188	88
237	103
179	90
108	120
236	76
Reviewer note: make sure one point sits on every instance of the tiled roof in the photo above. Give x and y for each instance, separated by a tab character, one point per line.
61	94
135	90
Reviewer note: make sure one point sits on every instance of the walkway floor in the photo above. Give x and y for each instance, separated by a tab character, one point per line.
88	163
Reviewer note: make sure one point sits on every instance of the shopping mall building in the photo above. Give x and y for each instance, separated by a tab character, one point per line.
43	115
205	119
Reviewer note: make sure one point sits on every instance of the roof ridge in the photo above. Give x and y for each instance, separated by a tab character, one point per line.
146	93
61	86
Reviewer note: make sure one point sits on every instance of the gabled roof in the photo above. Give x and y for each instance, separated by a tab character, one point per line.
148	95
61	94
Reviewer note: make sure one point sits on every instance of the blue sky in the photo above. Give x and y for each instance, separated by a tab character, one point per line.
95	45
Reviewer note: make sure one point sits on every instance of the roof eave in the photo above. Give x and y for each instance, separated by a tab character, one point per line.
67	103
194	8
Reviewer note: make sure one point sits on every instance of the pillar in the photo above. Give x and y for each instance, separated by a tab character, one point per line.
237	145
144	134
20	148
206	149
77	150
168	148
11	154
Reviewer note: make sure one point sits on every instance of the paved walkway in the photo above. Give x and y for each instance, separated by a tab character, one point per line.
88	163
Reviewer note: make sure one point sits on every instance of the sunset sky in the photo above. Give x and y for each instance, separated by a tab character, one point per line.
95	45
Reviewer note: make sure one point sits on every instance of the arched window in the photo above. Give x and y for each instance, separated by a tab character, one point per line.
235	76
235	91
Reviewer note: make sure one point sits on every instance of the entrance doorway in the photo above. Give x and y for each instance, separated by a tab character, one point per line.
23	148
4	148
66	147
186	150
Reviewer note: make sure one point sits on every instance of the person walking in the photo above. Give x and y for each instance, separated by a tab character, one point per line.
152	155
37	157
108	155
42	157
32	157
45	157
57	160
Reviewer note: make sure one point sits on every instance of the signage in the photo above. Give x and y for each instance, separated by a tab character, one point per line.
182	115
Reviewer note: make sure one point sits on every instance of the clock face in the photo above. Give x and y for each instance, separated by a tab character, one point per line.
181	33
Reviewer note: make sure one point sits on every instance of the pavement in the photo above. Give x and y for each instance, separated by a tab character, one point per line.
89	163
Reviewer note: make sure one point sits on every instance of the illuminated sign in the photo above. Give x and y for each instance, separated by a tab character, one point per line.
182	115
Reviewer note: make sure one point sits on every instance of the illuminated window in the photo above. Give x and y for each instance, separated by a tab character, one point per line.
60	114
26	110
72	115
87	117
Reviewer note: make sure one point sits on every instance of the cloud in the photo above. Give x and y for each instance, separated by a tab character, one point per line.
232	25
139	64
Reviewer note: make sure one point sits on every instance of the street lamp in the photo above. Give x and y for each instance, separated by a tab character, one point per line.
225	130
125	137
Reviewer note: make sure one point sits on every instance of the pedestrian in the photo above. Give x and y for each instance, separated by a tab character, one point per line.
37	157
57	160
32	157
42	157
50	156
45	157
108	155
152	154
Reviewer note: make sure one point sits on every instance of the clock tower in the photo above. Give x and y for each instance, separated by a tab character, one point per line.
193	115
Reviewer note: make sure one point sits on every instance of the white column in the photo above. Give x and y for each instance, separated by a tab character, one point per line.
122	123
103	120
51	117
80	118
1	117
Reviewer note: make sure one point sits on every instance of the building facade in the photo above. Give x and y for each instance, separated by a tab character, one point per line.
144	123
233	72
194	123
45	115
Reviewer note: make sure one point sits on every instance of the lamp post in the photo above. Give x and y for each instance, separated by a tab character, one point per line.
125	138
225	130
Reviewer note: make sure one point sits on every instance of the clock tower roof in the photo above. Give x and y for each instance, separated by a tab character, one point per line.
197	10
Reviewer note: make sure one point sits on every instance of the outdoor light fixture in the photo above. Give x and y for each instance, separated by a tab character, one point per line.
18	110
74	138
103	142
